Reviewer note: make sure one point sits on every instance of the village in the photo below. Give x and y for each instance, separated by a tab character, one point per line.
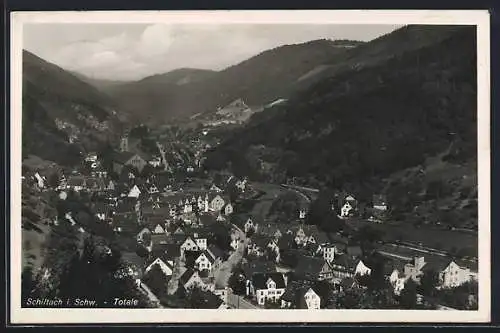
197	237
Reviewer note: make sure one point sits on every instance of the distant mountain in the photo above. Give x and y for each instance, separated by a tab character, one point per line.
258	81
389	105
62	115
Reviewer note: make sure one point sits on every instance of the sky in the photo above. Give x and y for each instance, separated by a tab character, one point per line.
133	51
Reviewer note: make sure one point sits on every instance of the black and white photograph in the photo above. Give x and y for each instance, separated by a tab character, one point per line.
300	166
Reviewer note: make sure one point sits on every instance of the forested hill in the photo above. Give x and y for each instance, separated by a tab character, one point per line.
259	80
63	115
362	124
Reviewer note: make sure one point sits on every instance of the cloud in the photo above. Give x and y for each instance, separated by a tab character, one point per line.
131	52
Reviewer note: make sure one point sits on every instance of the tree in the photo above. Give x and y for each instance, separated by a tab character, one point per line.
53	180
428	283
408	296
237	283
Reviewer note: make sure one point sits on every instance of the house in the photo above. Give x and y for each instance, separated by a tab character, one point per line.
414	270
143	235
190	279
102	210
76	183
216	188
217	255
311	268
204	261
397	280
134	264
228	209
361	269
40	181
91	157
259	245
266	287
257	266
327	251
134	192
343	266
157	281
166	266
155	162
216	203
346	209
250	225
134	160
451	273
379	202
189	244
301	295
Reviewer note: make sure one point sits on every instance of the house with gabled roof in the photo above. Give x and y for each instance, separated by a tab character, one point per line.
266	286
301	294
189	244
134	160
190	279
166	266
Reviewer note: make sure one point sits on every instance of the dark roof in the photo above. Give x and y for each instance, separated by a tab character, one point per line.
347	283
76	181
123	157
258	266
133	259
309	266
345	261
186	275
259	280
156	280
208	300
216	251
260	240
354	251
286	241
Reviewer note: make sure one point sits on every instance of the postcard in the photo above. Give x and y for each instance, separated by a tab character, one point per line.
319	166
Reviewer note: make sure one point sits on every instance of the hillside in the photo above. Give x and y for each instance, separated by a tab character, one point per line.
358	127
258	81
62	115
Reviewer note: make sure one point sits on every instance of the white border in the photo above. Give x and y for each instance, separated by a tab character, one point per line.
68	316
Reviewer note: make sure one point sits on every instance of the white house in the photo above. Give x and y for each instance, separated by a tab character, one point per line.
134	192
215	188
155	162
398	281
159	229
228	209
216	203
328	251
250	225
201	242
311	299
346	209
362	269
454	275
188	245
269	286
142	233
40	181
203	262
166	267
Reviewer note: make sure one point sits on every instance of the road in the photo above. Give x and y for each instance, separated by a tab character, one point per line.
223	273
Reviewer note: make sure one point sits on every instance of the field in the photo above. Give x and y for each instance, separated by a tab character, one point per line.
452	241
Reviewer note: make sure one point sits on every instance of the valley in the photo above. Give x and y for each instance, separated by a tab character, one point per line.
349	165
